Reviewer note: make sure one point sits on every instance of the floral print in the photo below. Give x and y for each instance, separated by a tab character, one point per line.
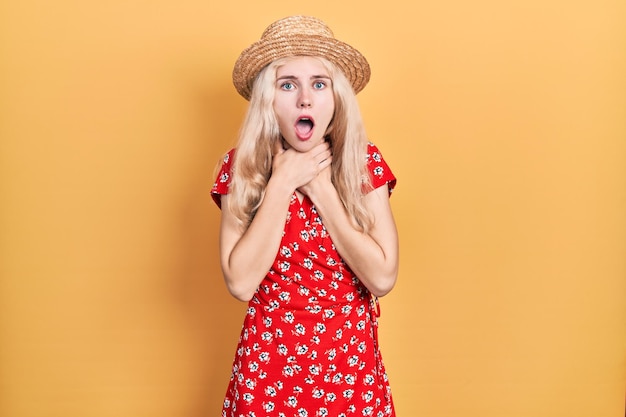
309	344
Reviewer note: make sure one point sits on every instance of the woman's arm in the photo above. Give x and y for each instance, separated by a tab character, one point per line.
372	256
246	255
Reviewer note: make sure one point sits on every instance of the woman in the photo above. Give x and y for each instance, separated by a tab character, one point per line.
307	234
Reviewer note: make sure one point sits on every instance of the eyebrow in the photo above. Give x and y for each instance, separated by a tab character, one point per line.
293	77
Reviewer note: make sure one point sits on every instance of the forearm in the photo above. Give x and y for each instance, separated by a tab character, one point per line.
373	256
252	253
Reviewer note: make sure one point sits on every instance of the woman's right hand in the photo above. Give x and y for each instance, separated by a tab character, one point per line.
299	168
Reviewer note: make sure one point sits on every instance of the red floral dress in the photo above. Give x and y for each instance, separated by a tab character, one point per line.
309	345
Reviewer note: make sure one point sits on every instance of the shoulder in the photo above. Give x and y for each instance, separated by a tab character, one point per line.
379	170
224	174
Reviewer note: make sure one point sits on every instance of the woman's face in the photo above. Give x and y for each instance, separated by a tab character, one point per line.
304	102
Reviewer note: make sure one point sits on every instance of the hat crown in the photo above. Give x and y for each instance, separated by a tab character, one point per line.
298	36
297	26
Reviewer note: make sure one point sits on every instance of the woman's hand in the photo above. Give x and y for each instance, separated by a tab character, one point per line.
298	169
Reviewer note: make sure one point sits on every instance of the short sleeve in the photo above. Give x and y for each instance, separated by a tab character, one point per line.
222	182
380	173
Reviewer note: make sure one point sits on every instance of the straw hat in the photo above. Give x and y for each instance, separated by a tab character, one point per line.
298	35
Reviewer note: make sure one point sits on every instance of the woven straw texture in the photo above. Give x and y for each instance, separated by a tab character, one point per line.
298	36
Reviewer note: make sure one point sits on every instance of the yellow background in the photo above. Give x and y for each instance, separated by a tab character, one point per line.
505	122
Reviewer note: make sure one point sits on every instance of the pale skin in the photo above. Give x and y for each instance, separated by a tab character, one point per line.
301	165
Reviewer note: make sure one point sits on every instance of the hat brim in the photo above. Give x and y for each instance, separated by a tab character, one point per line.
254	58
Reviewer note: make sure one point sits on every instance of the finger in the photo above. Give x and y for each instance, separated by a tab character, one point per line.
325	163
323	156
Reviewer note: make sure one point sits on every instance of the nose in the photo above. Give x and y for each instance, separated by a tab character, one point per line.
304	100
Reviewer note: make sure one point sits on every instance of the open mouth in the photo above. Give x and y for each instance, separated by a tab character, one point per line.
304	127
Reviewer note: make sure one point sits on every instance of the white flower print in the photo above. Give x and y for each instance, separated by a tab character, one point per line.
307	263
292	401
314	369
367	396
303	291
270	391
288	317
299	329
285	251
338	334
315	309
301	349
288	371
318	393
353	360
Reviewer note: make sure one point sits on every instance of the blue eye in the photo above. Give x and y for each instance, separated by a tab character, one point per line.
287	86
319	85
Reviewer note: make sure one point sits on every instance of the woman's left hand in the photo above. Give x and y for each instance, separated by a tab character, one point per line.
319	183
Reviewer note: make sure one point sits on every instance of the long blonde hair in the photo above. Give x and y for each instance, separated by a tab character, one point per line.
252	163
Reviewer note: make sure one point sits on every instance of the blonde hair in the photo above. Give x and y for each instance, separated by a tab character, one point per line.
252	163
